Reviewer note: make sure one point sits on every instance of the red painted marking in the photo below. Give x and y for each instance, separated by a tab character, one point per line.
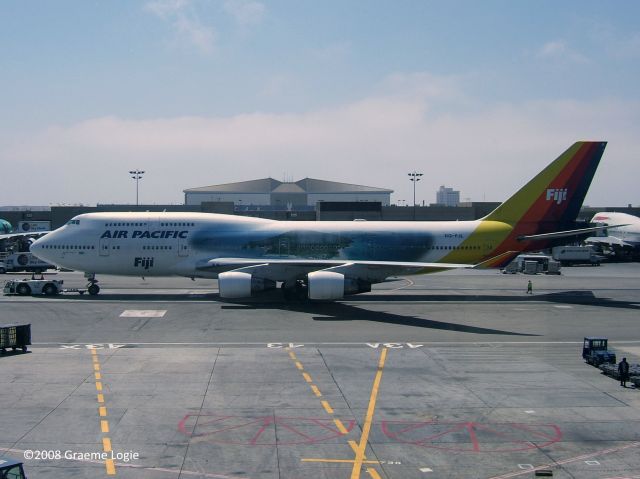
469	436
474	438
241	430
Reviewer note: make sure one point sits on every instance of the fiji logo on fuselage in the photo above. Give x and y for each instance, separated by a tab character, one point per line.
557	194
143	262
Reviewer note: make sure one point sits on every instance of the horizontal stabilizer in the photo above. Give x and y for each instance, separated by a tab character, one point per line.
564	234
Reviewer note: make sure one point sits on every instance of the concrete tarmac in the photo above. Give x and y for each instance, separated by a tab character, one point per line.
453	375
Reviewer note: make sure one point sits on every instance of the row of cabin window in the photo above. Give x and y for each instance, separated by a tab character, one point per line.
157	247
125	224
59	246
377	245
144	224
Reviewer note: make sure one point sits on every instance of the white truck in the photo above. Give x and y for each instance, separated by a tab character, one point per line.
24	262
568	255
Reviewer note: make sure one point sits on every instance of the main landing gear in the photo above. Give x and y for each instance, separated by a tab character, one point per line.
92	286
294	290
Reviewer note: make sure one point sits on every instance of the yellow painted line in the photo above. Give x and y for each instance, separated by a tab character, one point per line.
373	473
111	467
315	390
327	407
292	355
307	377
341	427
106	444
340	461
354	446
366	429
299	365
104	424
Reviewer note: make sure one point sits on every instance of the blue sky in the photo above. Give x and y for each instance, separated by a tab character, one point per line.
477	95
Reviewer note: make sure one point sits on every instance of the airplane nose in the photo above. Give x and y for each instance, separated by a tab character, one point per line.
37	247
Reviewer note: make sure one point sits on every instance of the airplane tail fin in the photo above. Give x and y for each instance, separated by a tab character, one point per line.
552	200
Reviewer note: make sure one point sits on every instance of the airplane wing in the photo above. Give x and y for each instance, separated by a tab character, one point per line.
30	234
608	240
281	269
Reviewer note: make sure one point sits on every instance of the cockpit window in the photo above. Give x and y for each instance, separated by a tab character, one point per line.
74	222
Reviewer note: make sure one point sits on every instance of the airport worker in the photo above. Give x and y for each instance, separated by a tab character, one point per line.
529	287
623	372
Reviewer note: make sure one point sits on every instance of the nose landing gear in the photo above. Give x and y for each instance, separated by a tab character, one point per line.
92	286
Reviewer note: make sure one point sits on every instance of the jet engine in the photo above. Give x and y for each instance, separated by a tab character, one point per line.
327	285
236	284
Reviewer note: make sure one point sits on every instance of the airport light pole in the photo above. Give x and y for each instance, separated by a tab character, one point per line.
414	176
136	175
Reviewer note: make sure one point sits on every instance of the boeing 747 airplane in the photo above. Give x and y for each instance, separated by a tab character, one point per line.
323	260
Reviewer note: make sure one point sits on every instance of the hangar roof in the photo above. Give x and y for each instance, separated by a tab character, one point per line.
269	185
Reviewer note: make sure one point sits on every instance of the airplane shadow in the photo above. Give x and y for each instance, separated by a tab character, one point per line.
339	312
350	310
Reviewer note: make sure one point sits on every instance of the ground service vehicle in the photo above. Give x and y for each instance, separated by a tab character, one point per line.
595	352
25	287
25	262
568	255
14	336
10	469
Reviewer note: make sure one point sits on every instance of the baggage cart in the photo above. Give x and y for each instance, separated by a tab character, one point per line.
15	336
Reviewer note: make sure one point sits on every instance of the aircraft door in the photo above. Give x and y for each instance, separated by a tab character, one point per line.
283	247
104	247
183	247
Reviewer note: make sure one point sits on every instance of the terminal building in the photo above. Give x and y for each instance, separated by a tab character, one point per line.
447	196
270	194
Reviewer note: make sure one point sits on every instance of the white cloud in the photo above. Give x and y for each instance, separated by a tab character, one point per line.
338	51
488	152
185	22
559	50
245	12
166	8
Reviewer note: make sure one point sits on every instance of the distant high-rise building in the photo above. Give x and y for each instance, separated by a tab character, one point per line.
447	196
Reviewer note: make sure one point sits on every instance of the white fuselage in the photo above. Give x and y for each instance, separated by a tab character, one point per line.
628	234
167	244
